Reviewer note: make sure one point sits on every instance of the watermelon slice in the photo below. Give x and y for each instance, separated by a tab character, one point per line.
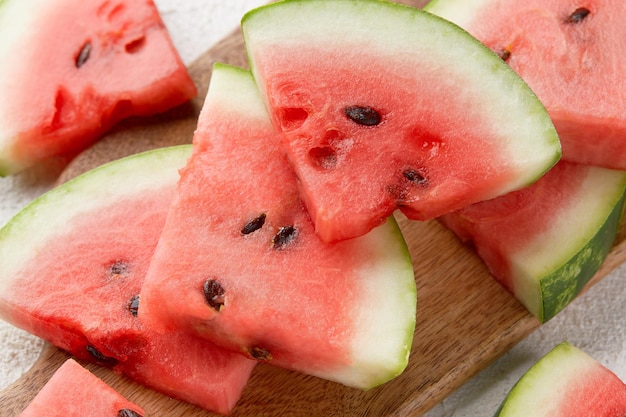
72	68
73	391
566	382
239	261
378	113
565	51
72	264
545	242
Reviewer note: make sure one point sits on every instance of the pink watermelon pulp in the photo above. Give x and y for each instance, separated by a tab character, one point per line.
73	68
566	382
375	116
565	51
239	262
545	242
73	391
76	284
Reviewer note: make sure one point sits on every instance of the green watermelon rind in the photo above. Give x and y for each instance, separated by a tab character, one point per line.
535	150
31	229
559	292
546	283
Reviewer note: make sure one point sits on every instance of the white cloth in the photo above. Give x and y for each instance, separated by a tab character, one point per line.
594	322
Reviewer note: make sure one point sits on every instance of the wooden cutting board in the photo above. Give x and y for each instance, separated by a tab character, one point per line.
465	320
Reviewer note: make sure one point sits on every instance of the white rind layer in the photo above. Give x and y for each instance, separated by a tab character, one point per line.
389	281
460	12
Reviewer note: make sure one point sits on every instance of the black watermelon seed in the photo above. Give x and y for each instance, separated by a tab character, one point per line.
127	412
214	294
99	357
284	237
578	15
254	224
260	354
414	176
133	306
363	115
505	54
83	55
118	268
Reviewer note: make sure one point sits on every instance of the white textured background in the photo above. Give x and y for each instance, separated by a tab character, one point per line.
595	322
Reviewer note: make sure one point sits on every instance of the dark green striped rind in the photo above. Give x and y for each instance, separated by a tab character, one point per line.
563	285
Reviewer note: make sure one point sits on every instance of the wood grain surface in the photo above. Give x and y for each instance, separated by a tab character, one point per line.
465	320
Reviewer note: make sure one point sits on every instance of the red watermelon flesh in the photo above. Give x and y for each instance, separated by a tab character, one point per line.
239	261
566	382
569	54
73	391
376	115
74	280
73	68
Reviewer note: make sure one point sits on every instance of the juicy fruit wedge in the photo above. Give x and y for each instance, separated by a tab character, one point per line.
545	242
72	68
565	51
566	382
239	262
72	264
383	106
73	391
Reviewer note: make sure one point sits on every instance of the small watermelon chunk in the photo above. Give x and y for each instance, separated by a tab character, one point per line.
545	242
72	264
566	382
73	68
570	55
384	106
73	391
240	263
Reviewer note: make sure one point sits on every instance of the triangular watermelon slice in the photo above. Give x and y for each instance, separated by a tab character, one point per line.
73	391
566	382
384	106
570	55
72	264
545	242
70	69
238	259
